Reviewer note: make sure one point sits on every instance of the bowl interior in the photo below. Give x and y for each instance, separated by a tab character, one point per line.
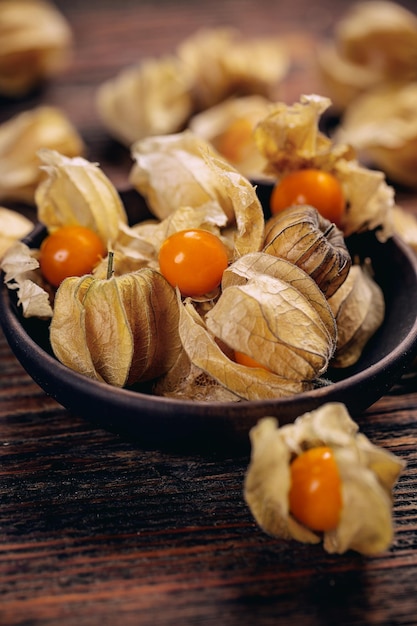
165	421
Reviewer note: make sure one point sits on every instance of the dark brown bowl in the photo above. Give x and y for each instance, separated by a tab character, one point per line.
159	421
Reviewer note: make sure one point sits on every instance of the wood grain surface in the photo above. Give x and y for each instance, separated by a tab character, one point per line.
94	529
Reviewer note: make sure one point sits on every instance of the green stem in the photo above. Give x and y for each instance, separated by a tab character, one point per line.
110	259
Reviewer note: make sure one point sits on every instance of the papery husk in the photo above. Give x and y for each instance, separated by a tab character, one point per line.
20	265
122	330
126	260
290	140
205	353
203	52
272	321
170	172
138	246
382	126
382	35
257	65
20	139
183	170
159	95
370	200
359	310
250	266
131	252
76	191
342	80
35	44
186	381
368	474
374	43
301	235
208	217
214	123
248	217
13	226
405	226
153	97
224	63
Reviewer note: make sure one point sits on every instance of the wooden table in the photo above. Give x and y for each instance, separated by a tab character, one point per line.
95	530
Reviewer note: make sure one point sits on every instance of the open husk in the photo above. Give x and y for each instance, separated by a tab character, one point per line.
21	137
224	63
159	95
35	44
76	191
382	126
13	226
374	43
229	126
22	274
290	139
182	170
149	98
367	473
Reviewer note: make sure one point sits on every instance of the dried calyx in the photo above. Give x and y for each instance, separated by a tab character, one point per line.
289	138
359	310
208	67
99	330
374	43
367	475
275	306
21	137
308	240
35	43
13	226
